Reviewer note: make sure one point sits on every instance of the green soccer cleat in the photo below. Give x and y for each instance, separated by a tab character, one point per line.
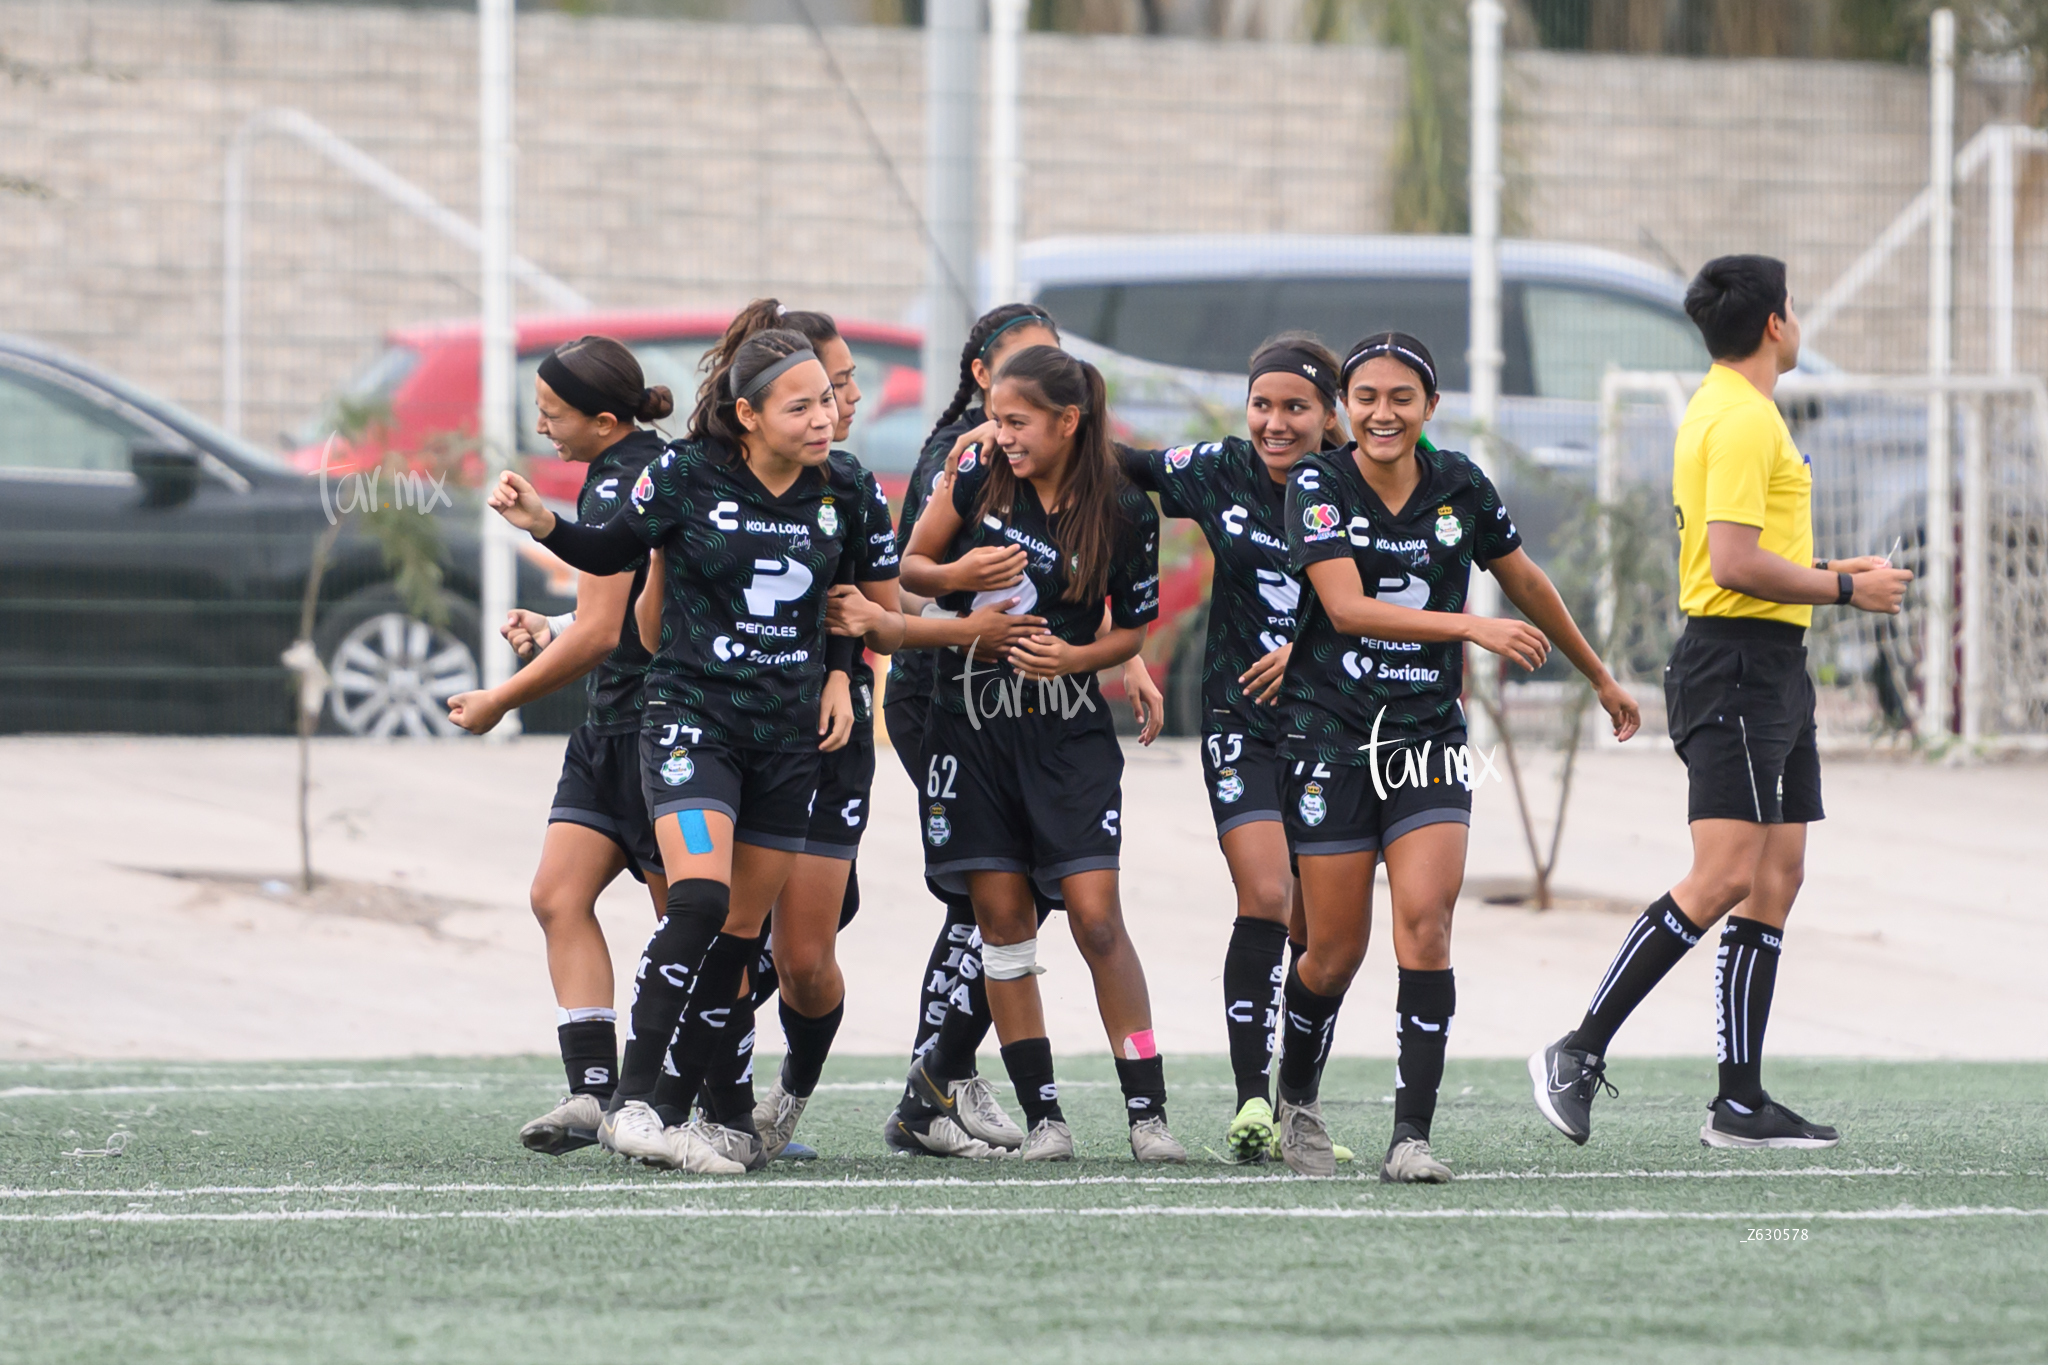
1251	1138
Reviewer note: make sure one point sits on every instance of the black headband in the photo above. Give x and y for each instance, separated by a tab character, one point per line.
1384	346
769	375
1020	319
1294	360
583	396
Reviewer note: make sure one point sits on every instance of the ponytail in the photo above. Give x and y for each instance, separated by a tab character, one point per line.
980	338
1051	380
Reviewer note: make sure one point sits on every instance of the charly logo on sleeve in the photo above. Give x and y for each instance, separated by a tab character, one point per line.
1313	807
1448	530
677	768
937	828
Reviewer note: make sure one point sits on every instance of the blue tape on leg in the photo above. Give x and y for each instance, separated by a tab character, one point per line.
696	834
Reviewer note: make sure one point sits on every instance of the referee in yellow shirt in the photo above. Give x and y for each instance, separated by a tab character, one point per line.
1740	707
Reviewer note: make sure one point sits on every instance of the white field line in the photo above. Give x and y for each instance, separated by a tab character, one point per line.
657	1184
1769	1218
20	1092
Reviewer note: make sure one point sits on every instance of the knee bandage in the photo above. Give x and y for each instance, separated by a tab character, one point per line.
1010	961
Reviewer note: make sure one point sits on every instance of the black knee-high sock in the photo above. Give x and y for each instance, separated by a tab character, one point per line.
762	979
1029	1063
661	987
1423	1007
810	1042
1310	1020
1144	1087
849	900
1252	978
706	1028
944	979
1655	942
1745	975
590	1054
951	1056
728	1089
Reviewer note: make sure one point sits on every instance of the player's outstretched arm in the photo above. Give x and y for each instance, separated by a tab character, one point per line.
1536	597
600	615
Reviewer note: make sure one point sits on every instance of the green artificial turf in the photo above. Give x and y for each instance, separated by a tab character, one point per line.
434	1237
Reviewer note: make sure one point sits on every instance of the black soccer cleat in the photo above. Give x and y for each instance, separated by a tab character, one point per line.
1770	1124
1564	1079
926	1096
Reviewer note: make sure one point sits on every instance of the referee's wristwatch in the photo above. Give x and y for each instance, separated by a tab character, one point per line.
1845	590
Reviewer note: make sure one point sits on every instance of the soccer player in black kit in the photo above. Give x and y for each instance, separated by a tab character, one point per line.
747	513
1387	533
590	395
1022	768
1235	491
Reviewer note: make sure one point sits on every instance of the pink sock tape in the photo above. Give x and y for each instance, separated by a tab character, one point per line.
1140	1046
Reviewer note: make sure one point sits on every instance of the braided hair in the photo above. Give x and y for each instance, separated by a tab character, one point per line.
986	329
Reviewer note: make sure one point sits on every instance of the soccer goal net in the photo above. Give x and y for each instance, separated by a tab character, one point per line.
1948	476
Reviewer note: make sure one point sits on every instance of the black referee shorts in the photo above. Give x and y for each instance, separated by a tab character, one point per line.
1740	706
600	789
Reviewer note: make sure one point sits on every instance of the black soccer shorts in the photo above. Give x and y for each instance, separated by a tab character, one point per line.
1337	808
905	710
766	793
1039	795
1740	707
600	789
846	779
1244	773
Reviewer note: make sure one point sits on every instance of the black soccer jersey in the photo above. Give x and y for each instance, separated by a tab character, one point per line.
742	653
871	550
614	685
1339	685
1133	588
1223	487
912	669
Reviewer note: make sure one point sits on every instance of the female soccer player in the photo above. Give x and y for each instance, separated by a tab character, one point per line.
749	516
1387	534
590	394
1235	490
1022	769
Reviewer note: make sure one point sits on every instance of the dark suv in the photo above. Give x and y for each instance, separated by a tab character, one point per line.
153	568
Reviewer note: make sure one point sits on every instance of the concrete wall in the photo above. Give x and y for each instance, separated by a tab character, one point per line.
674	164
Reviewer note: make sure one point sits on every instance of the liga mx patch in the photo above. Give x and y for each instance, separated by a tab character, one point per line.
969	458
1313	808
1321	517
678	768
643	489
1177	458
938	829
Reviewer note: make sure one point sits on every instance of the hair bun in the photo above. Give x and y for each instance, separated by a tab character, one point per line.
655	404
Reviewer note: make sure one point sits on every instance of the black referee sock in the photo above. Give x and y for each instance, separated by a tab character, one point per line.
1144	1084
945	983
810	1042
1029	1063
1309	1020
1745	975
1423	1007
1655	942
661	986
590	1054
1252	978
706	1026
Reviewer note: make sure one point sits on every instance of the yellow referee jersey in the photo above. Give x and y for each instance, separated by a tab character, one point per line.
1735	461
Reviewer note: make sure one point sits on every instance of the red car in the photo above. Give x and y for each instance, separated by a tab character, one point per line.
424	389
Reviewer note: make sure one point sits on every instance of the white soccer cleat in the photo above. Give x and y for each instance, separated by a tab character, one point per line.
686	1148
634	1130
1151	1142
569	1125
977	1110
775	1117
734	1144
944	1137
1305	1139
1051	1140
1409	1162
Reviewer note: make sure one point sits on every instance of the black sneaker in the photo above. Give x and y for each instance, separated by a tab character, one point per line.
1565	1079
1770	1124
926	1096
